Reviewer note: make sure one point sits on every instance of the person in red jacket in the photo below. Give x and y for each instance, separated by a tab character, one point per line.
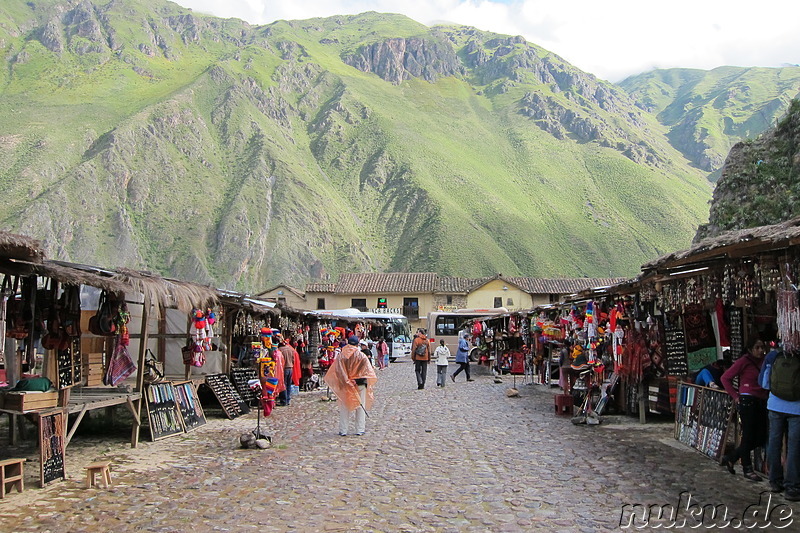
751	402
290	359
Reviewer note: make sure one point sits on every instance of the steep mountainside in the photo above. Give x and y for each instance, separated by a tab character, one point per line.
760	181
707	112
141	134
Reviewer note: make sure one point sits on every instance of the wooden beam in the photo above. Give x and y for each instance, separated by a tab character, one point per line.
75	425
140	374
133	410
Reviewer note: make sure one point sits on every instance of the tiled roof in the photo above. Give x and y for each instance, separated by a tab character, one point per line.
561	285
402	282
320	287
426	282
451	284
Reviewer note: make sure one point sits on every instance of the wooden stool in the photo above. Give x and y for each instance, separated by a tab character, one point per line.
11	473
103	468
564	404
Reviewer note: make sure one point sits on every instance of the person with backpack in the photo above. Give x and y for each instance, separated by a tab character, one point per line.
781	375
421	355
751	402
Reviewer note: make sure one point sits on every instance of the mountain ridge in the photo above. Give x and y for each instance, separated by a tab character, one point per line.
245	156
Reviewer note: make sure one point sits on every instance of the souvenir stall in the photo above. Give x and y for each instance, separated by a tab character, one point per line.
73	330
591	369
716	296
548	336
505	344
249	326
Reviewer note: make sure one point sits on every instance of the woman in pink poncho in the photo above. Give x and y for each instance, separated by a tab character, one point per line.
352	378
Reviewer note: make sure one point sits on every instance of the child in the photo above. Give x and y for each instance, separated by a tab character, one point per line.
441	354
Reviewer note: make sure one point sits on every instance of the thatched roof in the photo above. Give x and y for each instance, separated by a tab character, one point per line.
246	303
15	246
165	292
738	243
183	295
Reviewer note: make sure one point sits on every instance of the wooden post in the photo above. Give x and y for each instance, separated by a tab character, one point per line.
161	349
227	337
187	372
642	403
143	339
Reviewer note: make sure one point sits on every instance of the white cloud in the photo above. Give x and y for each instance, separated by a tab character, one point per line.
610	39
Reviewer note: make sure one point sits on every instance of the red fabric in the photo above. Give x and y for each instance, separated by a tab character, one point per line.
297	371
724	334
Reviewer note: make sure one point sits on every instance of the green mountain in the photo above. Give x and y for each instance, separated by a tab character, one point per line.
708	111
759	183
139	133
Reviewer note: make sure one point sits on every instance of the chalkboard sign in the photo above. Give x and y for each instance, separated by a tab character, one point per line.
228	398
675	351
162	411
736	331
69	365
189	406
51	446
703	418
240	377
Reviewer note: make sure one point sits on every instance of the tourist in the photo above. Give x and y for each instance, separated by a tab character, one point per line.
352	378
382	350
751	402
290	359
462	357
784	419
421	355
441	354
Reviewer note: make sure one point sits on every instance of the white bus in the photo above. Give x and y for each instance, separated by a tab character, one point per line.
394	328
448	325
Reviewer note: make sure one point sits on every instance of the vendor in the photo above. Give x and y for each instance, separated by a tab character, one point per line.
711	374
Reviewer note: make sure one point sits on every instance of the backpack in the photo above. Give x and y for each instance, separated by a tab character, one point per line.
784	379
420	349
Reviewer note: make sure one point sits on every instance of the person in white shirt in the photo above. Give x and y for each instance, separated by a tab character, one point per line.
441	354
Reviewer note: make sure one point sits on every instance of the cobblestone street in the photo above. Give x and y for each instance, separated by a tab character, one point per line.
465	458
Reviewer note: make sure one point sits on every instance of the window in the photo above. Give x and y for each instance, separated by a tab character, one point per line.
449	300
446	325
281	300
509	302
554	298
320	303
359	303
411	308
498	301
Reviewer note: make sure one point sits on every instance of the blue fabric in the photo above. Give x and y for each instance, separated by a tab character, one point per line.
462	354
790	475
704	378
774	403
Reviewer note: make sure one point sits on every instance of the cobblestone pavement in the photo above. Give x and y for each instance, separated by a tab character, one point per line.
465	458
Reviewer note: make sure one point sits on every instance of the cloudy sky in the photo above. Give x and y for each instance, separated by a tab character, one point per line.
611	39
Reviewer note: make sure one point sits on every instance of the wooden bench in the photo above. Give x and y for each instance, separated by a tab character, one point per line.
11	474
103	468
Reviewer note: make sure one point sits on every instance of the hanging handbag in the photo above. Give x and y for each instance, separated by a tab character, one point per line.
153	368
5	291
16	327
